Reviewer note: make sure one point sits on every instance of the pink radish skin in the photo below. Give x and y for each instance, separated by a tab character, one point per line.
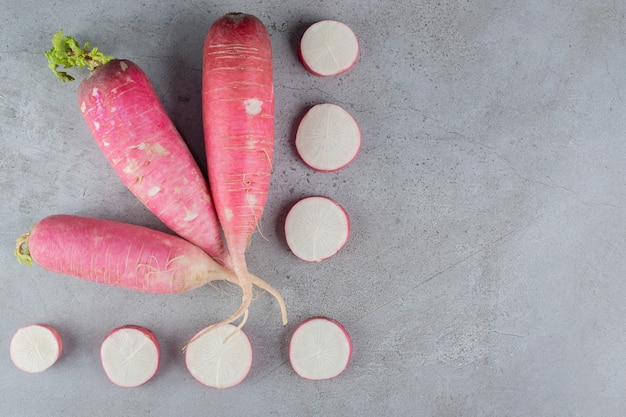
320	348
328	48
238	117
219	358
316	228
136	135
35	348
131	127
328	138
118	254
130	356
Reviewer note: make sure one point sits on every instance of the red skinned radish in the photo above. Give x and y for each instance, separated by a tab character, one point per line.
118	254
328	48
130	356
238	118
35	348
220	357
133	130
316	228
328	138
320	348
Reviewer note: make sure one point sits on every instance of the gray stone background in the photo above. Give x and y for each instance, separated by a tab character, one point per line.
485	271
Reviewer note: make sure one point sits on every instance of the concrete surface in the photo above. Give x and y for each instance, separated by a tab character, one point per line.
485	271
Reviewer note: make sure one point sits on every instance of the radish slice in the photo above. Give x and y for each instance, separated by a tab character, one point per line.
35	348
220	358
316	228
328	137
328	48
130	356
320	348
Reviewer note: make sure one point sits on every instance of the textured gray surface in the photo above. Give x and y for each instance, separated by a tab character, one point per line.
485	271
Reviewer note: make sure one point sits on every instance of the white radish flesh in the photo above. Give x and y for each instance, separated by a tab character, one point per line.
316	228
35	348
220	358
130	356
328	137
320	348
328	48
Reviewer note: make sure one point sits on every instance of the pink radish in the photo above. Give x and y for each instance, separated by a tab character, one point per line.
320	348
35	348
316	228
138	138
220	357
328	48
238	115
118	254
328	137
130	356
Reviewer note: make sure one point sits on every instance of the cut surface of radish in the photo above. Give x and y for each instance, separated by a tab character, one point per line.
328	48
130	356
35	348
316	228
320	348
328	138
220	358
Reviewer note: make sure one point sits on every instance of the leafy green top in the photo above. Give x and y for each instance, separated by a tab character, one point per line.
67	52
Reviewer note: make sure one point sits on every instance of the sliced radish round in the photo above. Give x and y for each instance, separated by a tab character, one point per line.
328	48
35	348
220	358
130	356
328	137
320	348
316	228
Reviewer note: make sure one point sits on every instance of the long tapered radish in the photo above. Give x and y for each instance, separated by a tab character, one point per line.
118	254
328	138
133	130
130	356
328	48
316	228
35	348
320	348
238	118
217	360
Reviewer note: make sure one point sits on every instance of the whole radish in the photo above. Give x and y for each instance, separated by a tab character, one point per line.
133	130
136	135
238	117
118	254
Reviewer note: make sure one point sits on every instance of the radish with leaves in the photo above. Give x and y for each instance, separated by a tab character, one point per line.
143	146
118	254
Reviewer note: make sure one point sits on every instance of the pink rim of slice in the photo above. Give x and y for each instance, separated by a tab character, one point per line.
320	348
35	348
316	228
220	358
328	138
328	48
130	356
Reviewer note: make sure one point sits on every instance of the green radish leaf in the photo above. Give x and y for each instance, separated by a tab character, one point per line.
68	53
